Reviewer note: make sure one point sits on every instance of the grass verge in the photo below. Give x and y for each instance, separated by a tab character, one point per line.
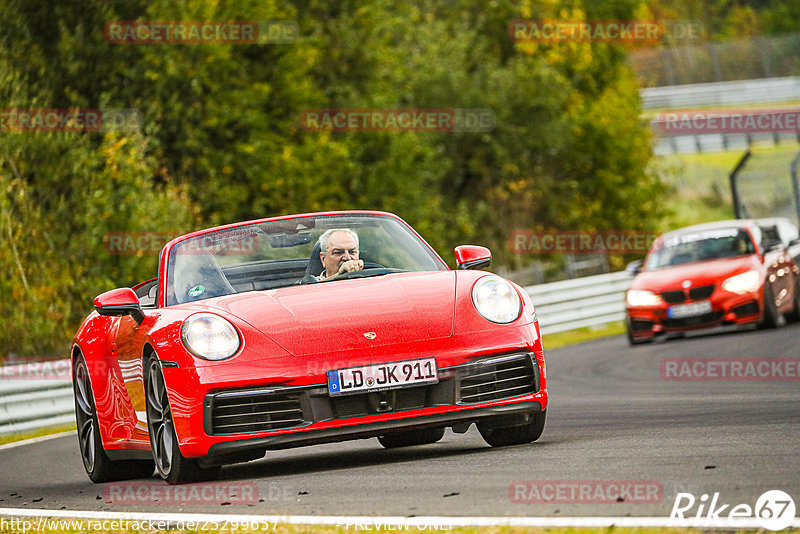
699	187
36	433
563	339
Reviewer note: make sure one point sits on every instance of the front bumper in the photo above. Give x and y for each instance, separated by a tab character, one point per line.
726	309
378	428
241	420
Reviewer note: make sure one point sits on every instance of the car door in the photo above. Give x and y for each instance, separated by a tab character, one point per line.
128	343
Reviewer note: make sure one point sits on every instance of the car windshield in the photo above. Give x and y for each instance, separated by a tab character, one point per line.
281	253
700	246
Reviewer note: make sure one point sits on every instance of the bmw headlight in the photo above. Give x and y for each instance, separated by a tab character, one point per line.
643	297
210	337
496	299
747	282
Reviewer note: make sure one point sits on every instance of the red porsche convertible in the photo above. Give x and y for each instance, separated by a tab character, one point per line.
298	330
735	272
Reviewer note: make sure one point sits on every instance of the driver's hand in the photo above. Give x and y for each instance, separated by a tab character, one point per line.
350	266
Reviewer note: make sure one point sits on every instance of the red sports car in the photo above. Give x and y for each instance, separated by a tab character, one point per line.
299	330
723	273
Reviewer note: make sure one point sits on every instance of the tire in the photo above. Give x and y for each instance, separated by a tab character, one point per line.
632	341
794	315
512	435
769	318
170	464
411	437
96	462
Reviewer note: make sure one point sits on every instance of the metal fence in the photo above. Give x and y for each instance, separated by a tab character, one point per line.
581	302
736	59
45	399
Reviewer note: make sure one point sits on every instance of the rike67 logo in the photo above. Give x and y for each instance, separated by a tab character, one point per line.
773	510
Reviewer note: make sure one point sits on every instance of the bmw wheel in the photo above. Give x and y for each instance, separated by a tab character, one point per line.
769	318
794	315
633	340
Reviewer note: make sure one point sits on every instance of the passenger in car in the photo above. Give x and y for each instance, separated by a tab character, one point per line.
339	253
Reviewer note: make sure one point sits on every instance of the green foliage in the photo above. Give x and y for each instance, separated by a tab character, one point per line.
62	193
60	197
221	138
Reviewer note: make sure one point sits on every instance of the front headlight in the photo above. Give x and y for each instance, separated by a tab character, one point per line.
643	297
496	299
747	282
210	337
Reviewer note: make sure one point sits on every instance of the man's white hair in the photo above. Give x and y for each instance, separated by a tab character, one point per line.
323	239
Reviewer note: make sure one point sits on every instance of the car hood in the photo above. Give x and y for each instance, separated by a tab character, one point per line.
699	274
336	315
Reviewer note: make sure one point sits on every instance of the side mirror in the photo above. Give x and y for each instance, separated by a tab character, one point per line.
634	267
122	301
472	257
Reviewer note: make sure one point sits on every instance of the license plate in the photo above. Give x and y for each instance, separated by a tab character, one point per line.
692	309
382	376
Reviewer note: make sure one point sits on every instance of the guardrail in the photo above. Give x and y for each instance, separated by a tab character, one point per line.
581	302
39	395
736	93
35	395
718	94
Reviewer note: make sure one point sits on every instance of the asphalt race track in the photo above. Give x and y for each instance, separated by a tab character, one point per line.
612	418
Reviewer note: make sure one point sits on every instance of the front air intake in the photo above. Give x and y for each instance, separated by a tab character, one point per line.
245	412
498	378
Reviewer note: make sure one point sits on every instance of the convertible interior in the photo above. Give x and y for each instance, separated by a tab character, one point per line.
201	268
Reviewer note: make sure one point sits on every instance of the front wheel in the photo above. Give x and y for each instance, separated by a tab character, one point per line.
170	463
501	436
633	340
411	437
96	462
794	315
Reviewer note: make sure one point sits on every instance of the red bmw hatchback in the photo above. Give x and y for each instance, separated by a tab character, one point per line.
299	330
722	273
